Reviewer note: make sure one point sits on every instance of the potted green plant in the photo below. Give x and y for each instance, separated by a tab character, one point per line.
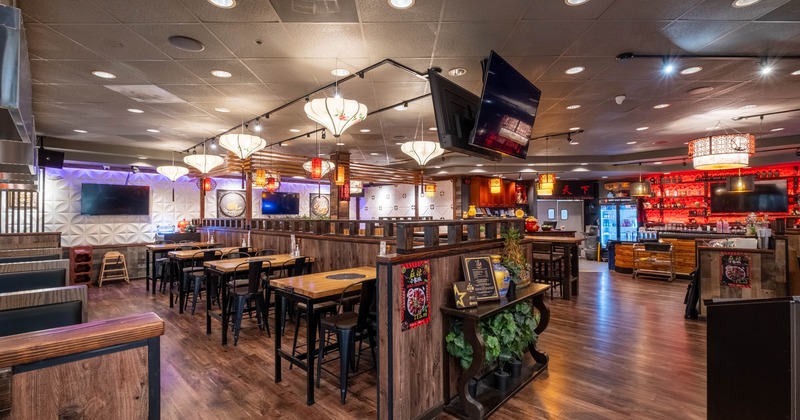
514	259
458	347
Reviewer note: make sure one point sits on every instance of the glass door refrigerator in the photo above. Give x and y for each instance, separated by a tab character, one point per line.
618	222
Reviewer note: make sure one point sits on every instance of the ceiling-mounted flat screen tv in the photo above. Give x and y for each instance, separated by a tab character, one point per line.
454	109
115	200
508	109
280	203
769	196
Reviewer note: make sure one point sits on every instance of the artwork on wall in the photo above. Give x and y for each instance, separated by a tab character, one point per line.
230	203
416	277
319	205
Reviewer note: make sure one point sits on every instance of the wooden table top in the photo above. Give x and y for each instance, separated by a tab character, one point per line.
189	253
317	285
556	239
167	247
229	266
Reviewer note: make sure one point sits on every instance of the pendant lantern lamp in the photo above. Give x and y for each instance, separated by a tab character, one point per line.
172	172
273	182
206	184
430	190
422	151
641	188
544	191
495	185
723	151
344	192
203	163
318	168
242	145
547	181
336	114
356	187
741	183
260	178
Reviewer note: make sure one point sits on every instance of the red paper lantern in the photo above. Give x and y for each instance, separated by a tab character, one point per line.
316	168
182	225
272	184
344	192
207	185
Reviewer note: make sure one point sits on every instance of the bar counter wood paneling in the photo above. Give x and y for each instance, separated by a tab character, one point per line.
100	369
567	233
768	276
410	375
793	266
684	253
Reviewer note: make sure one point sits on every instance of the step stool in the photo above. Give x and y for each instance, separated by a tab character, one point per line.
114	268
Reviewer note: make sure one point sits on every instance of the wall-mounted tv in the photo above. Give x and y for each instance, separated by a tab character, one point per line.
280	203
769	196
115	200
454	109
508	110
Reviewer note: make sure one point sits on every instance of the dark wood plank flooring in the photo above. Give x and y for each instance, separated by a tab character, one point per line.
620	350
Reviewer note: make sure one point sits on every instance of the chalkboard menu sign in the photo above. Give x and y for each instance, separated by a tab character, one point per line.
416	278
735	269
479	272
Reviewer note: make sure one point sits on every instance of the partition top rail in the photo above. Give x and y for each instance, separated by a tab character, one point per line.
411	236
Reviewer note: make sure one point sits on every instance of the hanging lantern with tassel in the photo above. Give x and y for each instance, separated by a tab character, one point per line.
430	190
495	185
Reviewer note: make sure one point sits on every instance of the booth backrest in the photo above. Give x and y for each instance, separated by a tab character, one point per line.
31	280
34	310
4	260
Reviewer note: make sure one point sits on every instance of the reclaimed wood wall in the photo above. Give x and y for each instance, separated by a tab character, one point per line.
767	274
30	240
28	298
411	361
793	265
684	254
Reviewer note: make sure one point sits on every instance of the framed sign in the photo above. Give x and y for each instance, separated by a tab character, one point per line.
319	205
415	295
735	269
230	203
464	295
479	272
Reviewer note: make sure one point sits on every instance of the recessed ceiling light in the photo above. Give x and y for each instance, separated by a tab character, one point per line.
744	3
574	143
80	131
221	73
530	164
796	73
777	129
135	110
222	110
712	128
340	72
575	70
641	128
668	68
667	173
580	170
433	129
153	130
686	142
691	70
401	107
340	144
104	74
574	128
399	144
437	167
374	154
283	144
700	90
631	142
401	4
142	157
576	106
478	164
657	163
661	106
575	2
604	176
477	171
224	4
584	163
294	130
765	69
750	106
457	71
365	130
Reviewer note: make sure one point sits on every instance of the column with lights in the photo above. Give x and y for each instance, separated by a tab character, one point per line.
340	185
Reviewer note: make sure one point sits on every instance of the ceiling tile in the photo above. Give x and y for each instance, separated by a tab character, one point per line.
711	10
418	39
324	41
371	11
193	93
45	71
115	42
85	68
245	11
46	43
694	35
243	38
475	39
148	11
78	94
772	38
248	92
594	67
292	71
339	11
559	10
482	11
66	11
628	9
536	38
158	35
161	72
203	68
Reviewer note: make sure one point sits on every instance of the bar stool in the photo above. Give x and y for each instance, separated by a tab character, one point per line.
547	266
113	268
195	276
244	292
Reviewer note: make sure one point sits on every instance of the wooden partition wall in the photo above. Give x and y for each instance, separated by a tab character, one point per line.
792	264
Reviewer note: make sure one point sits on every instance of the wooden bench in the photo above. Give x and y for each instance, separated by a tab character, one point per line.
30	275
99	369
33	310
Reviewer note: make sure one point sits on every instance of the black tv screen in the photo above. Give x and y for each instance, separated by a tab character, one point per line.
508	109
454	109
280	203
115	200
768	197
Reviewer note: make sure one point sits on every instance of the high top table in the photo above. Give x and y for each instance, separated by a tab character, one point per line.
153	249
219	272
570	250
310	289
180	259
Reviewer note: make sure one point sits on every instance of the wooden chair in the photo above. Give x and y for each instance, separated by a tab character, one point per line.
346	326
547	266
113	268
245	293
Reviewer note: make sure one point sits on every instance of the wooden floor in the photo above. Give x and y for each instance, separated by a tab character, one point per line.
622	349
